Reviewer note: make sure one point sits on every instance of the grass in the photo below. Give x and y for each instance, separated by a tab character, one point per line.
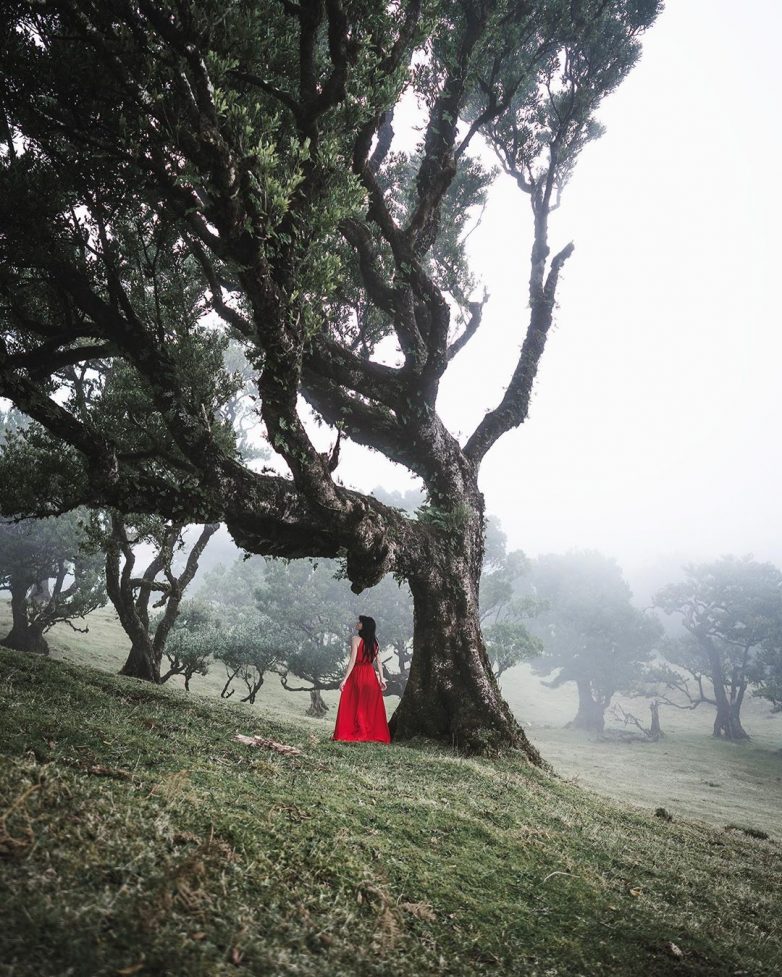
688	772
136	837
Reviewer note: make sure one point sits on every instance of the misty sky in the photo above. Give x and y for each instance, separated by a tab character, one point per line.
654	426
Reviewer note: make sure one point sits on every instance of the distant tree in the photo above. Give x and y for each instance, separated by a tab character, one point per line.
680	675
234	587
249	647
391	604
767	673
320	665
193	641
131	594
52	574
314	611
509	643
504	612
592	634
732	610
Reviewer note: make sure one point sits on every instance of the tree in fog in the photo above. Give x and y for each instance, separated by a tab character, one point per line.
291	616
767	672
505	613
314	612
52	574
731	609
234	629
250	646
193	641
235	586
592	634
391	604
131	589
240	160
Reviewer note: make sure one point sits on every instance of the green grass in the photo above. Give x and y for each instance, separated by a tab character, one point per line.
137	837
689	773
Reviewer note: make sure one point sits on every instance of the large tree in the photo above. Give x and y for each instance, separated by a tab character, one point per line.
256	142
131	591
731	609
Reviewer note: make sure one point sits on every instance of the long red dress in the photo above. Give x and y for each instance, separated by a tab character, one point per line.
361	714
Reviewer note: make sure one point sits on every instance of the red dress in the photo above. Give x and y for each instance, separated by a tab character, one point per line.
361	714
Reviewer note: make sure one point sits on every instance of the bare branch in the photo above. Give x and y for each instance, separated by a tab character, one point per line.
476	315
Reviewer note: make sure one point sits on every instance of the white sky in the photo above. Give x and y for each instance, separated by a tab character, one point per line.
654	428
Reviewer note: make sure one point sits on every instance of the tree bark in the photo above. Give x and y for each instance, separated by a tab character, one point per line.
24	634
591	714
727	722
451	693
317	706
142	662
655	731
28	639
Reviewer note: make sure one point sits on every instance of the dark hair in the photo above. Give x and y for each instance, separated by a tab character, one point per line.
368	637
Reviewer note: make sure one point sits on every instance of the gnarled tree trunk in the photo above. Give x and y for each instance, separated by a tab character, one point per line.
142	662
131	596
25	635
727	722
591	713
317	705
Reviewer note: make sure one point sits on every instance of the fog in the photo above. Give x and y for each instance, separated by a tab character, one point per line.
652	433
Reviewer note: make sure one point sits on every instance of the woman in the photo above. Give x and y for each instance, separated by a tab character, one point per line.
361	714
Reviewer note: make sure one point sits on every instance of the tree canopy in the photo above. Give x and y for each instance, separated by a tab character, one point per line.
53	575
731	609
591	632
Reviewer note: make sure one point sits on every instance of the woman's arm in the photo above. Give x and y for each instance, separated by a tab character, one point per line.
380	678
353	650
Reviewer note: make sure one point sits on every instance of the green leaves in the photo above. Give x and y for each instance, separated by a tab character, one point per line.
448	519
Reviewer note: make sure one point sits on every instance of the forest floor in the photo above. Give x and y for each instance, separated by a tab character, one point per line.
137	837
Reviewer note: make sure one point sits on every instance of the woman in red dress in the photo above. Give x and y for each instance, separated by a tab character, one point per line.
361	714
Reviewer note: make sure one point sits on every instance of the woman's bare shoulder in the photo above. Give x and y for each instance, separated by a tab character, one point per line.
355	641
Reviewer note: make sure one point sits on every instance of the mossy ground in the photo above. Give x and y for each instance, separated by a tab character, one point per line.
136	837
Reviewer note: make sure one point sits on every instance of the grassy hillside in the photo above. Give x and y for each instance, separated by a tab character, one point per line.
138	838
688	772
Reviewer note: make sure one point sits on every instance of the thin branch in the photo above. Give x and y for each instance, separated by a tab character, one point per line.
476	316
